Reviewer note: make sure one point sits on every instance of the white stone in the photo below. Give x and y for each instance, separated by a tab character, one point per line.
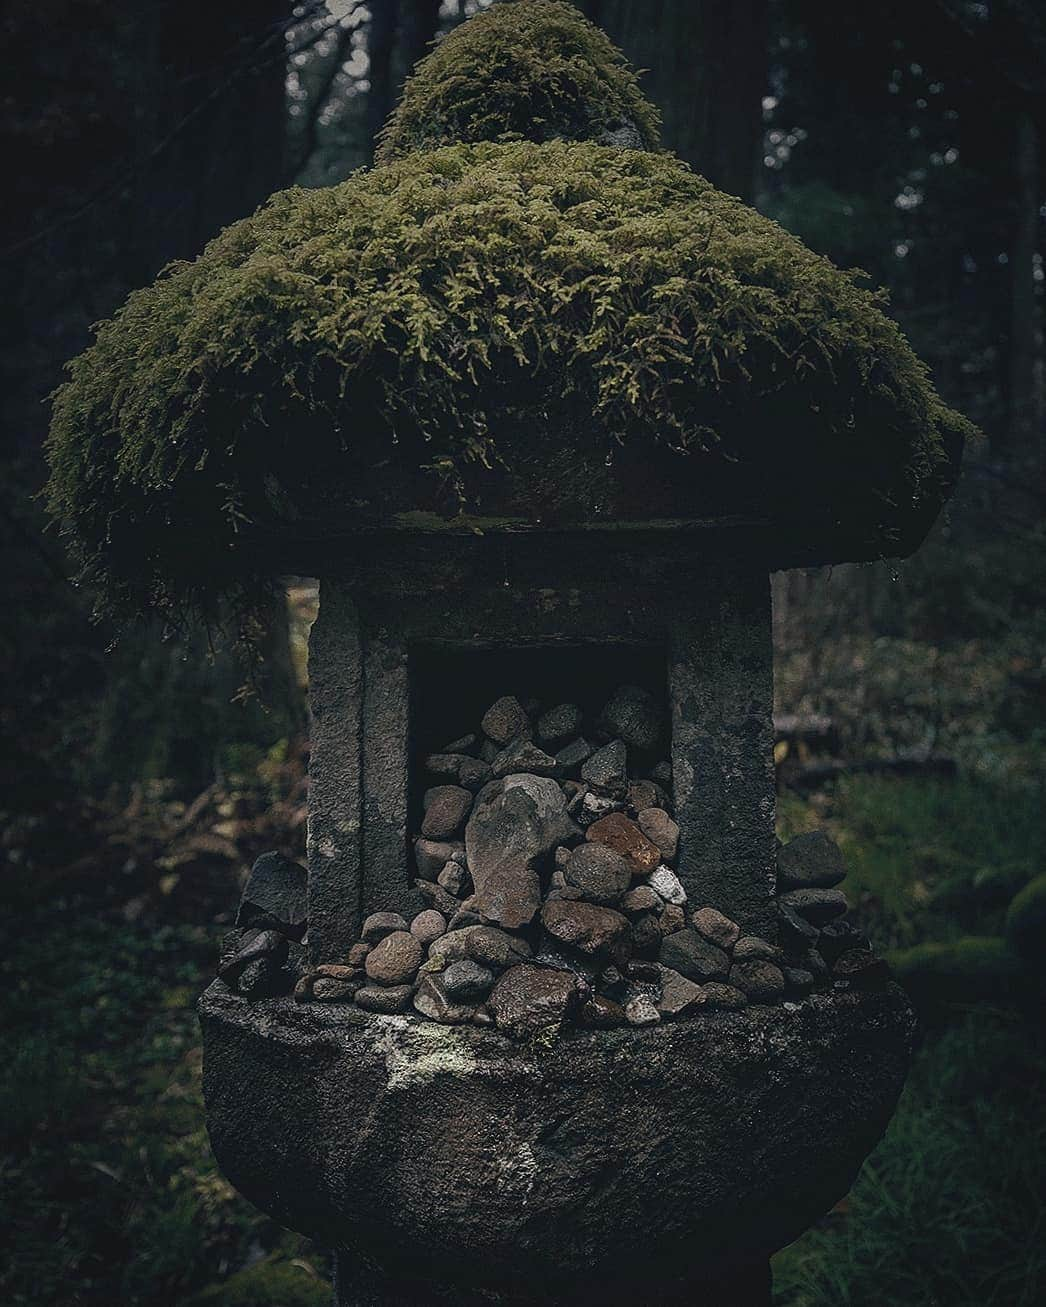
665	882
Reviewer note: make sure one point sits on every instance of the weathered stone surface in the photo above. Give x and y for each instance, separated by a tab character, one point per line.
750	948
357	955
506	720
599	873
797	981
474	773
463	744
621	834
380	924
594	806
672	918
607	768
661	830
693	956
465	1136
523	756
817	906
516	823
433	1001
263	978
441	900
711	923
431	856
559	723
724	997
245	945
329	989
642	1010
528	999
796	931
595	931
838	936
445	765
395	959
646	935
276	887
379	998
453	878
633	714
860	967
601	1013
763	982
810	860
428	926
642	795
495	948
572	755
640	899
466	981
666	883
680	997
662	774
448	806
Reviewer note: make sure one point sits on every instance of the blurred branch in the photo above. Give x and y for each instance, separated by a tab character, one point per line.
319	99
252	64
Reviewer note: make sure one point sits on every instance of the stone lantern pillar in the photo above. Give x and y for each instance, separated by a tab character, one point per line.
549	1017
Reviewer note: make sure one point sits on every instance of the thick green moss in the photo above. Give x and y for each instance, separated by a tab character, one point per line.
531	70
973	969
1026	923
511	315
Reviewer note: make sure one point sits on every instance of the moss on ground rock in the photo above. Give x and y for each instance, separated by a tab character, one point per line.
456	311
530	70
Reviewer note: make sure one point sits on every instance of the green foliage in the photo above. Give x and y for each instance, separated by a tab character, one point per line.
974	969
531	70
949	1209
270	1284
455	311
1026	922
929	860
111	1193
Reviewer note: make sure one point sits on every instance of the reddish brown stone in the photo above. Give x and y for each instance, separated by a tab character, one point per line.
593	930
621	834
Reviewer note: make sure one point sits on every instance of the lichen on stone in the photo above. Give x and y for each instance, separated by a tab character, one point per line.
527	70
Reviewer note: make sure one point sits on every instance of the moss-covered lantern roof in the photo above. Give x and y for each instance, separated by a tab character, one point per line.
539	332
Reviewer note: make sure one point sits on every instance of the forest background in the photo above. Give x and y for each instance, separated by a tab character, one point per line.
139	776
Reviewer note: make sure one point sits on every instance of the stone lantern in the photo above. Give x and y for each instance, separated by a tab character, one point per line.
552	1017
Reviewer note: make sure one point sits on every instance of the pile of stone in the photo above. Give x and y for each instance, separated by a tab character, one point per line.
546	861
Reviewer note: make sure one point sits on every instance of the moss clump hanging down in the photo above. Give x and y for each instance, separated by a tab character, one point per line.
456	311
531	70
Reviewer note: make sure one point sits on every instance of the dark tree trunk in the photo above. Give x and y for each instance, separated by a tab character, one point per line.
381	43
418	26
1025	418
707	62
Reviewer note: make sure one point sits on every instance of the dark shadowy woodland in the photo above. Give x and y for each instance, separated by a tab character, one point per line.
144	768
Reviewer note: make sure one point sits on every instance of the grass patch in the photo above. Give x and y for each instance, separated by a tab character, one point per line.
109	1191
950	1210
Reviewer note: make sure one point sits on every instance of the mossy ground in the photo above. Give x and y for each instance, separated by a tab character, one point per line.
421	328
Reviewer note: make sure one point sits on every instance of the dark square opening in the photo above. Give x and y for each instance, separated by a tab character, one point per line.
451	687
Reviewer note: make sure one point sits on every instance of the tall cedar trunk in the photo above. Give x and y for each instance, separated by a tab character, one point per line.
1024	435
707	66
124	149
381	43
419	21
134	132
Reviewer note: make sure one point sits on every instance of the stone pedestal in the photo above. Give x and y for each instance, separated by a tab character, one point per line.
655	1165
